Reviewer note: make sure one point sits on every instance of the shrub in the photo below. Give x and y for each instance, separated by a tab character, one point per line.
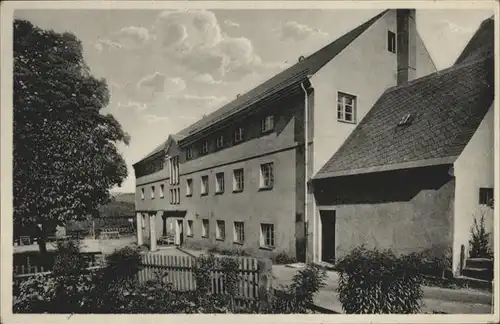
378	282
479	243
296	297
282	258
436	260
68	259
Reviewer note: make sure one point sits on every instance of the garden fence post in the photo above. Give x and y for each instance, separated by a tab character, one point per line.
265	284
139	230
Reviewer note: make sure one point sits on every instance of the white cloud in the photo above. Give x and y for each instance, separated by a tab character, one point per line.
231	23
195	101
193	40
133	37
457	28
136	106
159	82
206	78
106	45
153	119
295	31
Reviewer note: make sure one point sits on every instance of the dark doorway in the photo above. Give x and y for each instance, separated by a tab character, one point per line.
180	226
164	225
327	235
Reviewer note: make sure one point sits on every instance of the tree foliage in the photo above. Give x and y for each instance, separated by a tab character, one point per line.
65	153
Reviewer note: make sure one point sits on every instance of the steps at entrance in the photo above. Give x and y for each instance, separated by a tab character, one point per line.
478	268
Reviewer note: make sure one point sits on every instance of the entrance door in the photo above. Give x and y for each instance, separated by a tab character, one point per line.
180	232
327	235
164	225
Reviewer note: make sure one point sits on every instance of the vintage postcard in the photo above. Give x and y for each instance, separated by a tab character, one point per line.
219	161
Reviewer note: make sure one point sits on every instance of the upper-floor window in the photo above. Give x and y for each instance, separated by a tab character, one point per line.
219	182
162	190
238	180
220	141
152	192
204	185
267	124
189	153
204	147
173	167
391	41
189	187
485	196
142	193
346	107
266	175
238	135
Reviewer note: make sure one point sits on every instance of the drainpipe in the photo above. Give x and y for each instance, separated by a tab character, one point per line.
306	165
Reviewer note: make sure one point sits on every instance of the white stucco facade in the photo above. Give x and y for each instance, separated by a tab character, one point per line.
474	169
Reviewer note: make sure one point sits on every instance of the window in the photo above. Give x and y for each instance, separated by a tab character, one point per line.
219	182
239	232
485	196
220	141
189	153
178	195
152	192
143	221
267	235
171	196
173	164
190	228
346	107
189	187
204	185
238	135
142	193
162	191
267	124
391	42
238	180
221	230
204	228
266	176
204	147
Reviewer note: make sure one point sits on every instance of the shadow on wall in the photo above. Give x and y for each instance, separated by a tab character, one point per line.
381	187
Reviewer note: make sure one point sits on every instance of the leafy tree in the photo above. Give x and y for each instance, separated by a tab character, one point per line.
65	154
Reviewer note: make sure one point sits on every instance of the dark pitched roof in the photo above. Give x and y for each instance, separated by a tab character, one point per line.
481	44
447	108
162	146
295	73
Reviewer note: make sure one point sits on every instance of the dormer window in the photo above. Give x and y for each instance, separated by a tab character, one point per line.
267	124
220	141
238	135
204	147
405	120
189	153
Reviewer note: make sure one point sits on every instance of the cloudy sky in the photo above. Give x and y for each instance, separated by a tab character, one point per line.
166	69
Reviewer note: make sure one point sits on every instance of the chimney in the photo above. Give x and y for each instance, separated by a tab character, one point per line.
407	45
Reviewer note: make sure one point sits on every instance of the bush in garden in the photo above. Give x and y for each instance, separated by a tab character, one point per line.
282	258
378	282
437	260
296	297
479	246
68	259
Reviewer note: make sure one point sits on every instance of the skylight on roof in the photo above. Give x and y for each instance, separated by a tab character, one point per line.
405	120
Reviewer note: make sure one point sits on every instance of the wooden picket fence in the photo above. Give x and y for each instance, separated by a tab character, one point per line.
179	271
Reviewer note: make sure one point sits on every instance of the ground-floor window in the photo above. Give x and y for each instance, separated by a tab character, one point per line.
190	228
221	230
204	228
485	196
267	235
239	232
